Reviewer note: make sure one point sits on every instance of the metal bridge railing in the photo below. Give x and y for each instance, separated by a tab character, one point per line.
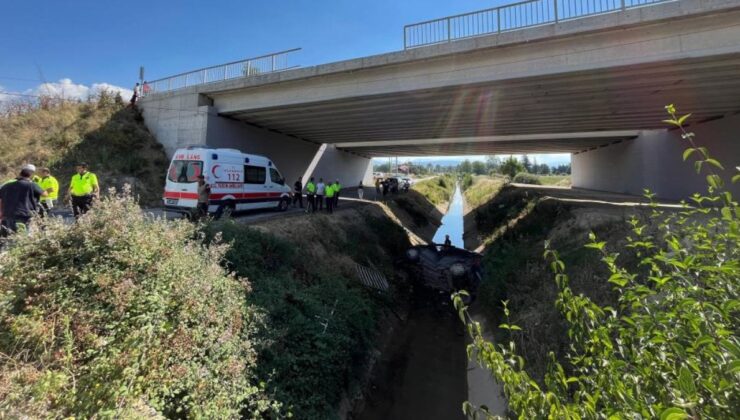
244	68
510	17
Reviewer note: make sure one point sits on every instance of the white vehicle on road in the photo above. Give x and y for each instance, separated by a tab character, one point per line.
238	181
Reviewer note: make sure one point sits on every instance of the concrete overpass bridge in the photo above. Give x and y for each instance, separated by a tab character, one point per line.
593	85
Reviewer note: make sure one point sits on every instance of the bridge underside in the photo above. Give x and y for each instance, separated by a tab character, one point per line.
565	113
595	87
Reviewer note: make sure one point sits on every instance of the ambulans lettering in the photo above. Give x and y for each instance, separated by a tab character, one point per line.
187	156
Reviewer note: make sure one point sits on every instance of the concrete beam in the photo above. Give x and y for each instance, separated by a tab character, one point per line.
622	134
656	42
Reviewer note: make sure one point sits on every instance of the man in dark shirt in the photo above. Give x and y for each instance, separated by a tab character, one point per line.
298	192
19	200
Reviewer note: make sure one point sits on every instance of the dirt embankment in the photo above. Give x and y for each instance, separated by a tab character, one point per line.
105	134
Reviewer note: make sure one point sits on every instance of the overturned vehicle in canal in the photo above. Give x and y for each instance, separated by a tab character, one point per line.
445	268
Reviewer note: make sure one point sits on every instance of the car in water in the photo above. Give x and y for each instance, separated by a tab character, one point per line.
238	181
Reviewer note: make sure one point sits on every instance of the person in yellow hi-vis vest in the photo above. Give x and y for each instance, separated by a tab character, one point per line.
330	191
49	184
82	189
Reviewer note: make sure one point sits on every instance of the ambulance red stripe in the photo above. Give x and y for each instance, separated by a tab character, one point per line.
194	196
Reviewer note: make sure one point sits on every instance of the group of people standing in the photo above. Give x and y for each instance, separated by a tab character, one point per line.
30	194
318	194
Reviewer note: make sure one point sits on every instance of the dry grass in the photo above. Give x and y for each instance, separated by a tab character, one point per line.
557	180
437	190
483	189
110	138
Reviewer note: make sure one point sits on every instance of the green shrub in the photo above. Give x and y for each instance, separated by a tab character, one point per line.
670	348
120	315
526	178
511	166
467	182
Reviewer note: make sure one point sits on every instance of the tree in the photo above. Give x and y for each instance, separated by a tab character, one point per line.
492	163
511	166
526	163
465	167
383	167
478	167
670	349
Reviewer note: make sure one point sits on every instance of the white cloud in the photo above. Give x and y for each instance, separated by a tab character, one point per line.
3	97
67	89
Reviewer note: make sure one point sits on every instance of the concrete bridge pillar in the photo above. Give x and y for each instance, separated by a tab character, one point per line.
654	161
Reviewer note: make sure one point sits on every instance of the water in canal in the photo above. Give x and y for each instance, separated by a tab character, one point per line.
452	222
423	373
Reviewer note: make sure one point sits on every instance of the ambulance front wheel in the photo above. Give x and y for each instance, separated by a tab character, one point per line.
226	209
283	204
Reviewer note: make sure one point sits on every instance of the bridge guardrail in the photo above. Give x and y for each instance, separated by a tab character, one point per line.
510	17
264	64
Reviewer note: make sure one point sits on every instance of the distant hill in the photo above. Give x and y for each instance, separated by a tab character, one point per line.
110	137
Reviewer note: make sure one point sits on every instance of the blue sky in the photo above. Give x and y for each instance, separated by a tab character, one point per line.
106	41
79	46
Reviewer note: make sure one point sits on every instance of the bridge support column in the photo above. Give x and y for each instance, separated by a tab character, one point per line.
349	168
654	161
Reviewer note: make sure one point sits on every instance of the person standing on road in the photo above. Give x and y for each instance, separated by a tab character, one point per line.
204	191
320	191
49	184
337	188
311	195
360	190
134	96
83	188
298	192
19	201
330	200
377	188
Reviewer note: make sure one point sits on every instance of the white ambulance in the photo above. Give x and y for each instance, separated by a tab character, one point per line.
238	181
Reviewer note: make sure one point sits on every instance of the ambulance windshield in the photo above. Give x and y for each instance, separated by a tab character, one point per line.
185	171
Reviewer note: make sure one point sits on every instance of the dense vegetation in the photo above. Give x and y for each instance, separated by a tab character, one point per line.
110	137
668	347
526	178
123	316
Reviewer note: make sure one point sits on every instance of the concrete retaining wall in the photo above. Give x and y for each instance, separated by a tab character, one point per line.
654	161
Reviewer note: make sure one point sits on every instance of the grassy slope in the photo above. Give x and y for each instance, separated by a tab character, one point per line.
302	271
517	225
437	190
110	138
482	190
558	180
